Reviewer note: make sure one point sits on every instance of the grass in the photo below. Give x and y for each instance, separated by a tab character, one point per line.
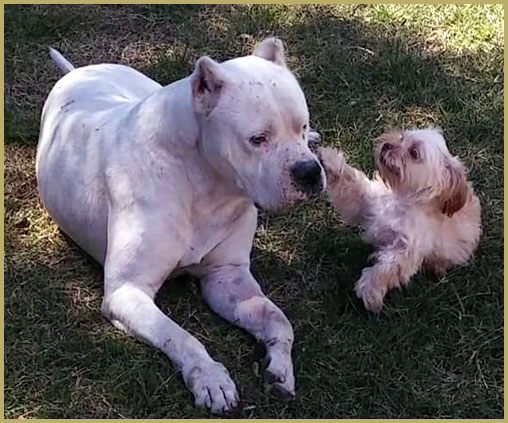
437	349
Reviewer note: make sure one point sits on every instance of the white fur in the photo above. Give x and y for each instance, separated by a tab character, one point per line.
152	181
416	211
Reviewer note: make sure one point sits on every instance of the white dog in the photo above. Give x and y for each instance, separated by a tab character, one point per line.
153	180
418	210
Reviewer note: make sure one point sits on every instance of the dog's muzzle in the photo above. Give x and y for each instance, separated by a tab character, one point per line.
386	158
308	176
386	147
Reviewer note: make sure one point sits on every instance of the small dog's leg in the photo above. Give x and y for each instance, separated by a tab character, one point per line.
393	267
233	293
437	265
347	187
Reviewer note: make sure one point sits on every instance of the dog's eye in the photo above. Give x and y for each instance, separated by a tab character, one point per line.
414	153
304	127
257	140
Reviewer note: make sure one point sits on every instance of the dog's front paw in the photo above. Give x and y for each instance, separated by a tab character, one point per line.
212	387
370	292
279	378
314	136
332	161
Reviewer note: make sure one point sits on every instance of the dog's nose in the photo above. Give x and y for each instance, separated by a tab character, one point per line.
308	175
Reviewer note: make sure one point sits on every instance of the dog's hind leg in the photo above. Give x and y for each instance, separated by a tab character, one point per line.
233	293
393	268
347	187
438	265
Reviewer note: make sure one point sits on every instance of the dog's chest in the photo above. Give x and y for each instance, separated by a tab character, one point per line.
214	218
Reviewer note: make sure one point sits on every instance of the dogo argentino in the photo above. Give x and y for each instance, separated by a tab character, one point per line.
150	180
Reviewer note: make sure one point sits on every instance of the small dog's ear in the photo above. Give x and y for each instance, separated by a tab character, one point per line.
271	49
456	189
390	135
207	82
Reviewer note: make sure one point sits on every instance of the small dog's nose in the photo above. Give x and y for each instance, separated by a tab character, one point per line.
308	175
386	147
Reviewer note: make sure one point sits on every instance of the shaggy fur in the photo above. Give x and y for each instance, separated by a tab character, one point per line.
418	210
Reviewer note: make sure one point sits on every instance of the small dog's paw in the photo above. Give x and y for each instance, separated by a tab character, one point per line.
438	266
314	136
332	160
279	378
371	294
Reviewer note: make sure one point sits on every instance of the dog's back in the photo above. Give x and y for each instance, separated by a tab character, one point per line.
81	111
455	238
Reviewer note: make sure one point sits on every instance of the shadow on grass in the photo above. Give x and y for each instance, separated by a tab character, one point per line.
437	350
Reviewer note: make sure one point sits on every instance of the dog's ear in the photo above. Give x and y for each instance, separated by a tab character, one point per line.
271	49
207	82
455	190
390	135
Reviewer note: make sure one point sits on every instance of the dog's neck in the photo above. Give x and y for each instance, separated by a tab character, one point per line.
165	119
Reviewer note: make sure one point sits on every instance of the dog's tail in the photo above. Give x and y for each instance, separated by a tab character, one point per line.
63	64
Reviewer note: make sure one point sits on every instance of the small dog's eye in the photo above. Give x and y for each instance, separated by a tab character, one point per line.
257	140
304	127
414	153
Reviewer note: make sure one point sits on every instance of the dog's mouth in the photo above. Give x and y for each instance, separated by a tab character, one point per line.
284	204
273	210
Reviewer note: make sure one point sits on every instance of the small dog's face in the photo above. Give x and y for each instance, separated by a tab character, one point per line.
255	126
415	161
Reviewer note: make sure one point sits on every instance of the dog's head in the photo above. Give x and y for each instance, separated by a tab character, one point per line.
418	160
254	126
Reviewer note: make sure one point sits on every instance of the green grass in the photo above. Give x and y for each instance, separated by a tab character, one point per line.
436	350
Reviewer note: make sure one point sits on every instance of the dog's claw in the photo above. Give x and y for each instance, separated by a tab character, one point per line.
332	160
278	391
314	137
212	388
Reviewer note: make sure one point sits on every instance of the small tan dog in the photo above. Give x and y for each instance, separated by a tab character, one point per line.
418	210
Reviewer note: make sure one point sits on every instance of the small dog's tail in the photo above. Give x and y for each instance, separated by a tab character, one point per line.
63	64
